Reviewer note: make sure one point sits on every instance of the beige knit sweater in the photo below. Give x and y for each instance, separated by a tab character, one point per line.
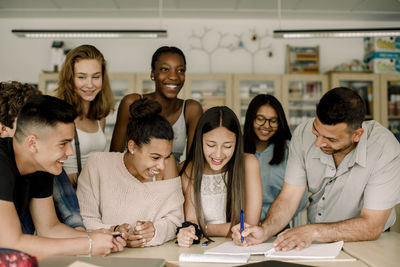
109	195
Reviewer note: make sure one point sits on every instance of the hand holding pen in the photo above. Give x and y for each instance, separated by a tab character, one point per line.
250	235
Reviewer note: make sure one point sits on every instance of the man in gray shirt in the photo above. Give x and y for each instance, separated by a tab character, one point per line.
352	170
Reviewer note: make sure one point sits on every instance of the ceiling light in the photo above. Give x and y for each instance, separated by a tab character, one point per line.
337	33
90	33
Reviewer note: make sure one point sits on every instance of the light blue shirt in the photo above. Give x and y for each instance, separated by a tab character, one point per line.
272	177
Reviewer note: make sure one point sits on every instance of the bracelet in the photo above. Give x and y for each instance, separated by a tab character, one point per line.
115	228
90	245
206	229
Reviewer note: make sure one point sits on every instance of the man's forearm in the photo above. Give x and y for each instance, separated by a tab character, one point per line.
357	229
44	247
60	230
278	216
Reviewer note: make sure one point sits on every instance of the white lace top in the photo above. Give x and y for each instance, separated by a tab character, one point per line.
213	198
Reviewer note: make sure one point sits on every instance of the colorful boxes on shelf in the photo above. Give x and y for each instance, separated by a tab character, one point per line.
302	59
382	54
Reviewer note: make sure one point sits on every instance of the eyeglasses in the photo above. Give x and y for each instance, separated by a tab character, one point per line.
261	120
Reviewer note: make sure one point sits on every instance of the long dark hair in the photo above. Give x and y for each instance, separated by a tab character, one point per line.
213	118
278	139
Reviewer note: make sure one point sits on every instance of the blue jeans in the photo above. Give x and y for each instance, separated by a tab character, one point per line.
65	203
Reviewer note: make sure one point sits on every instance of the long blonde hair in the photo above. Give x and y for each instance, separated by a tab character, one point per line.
101	106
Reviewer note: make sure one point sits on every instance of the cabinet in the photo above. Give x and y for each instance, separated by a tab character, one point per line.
390	104
247	86
48	82
300	95
209	89
121	84
366	85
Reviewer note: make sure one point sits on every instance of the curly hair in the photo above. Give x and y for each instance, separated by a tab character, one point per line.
101	106
13	95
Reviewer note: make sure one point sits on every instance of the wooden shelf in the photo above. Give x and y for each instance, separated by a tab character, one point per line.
303	108
394	117
303	99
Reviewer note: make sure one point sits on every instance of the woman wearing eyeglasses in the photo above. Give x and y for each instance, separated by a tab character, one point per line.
267	135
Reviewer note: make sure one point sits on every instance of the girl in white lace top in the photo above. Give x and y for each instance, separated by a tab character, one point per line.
218	179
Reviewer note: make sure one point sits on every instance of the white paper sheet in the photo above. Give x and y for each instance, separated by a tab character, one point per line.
191	257
82	264
315	251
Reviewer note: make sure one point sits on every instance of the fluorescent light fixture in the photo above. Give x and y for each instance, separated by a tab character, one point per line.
337	33
90	33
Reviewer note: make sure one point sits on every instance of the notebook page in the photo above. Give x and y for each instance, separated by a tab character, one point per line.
191	257
230	248
315	251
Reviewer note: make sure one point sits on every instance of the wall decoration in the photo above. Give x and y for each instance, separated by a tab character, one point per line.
210	41
254	43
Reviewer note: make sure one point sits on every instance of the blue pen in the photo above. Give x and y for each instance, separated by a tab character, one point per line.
241	225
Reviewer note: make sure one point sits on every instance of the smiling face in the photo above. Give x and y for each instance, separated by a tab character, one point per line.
148	160
169	74
218	148
53	146
265	123
88	79
335	139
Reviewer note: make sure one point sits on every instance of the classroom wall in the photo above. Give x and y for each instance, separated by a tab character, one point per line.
23	59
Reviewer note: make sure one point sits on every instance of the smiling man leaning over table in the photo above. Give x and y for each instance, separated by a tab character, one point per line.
28	163
351	168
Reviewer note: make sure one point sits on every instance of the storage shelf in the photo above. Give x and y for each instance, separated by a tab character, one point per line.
237	90
303	108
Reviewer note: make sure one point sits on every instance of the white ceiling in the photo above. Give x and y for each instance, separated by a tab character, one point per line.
384	10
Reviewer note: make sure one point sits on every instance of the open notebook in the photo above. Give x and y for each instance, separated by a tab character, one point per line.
315	251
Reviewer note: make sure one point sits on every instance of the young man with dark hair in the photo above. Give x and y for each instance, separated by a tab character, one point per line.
352	170
13	96
28	163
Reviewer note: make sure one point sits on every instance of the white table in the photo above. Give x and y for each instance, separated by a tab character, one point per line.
171	251
382	252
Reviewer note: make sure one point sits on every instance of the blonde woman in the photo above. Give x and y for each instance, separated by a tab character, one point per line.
84	83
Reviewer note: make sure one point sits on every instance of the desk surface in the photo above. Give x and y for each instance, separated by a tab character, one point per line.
171	251
382	252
